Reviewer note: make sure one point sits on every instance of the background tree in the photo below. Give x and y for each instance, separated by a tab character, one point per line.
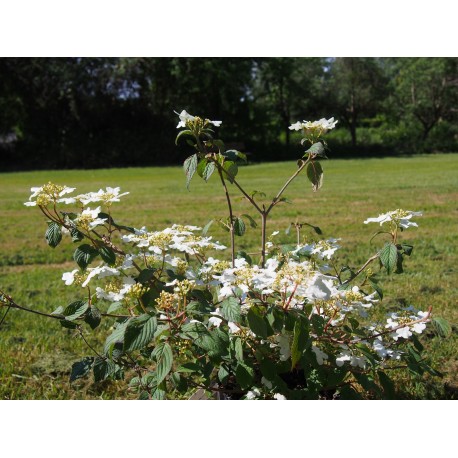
356	88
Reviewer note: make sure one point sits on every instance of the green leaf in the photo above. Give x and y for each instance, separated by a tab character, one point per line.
93	317
442	327
190	367
205	168
190	166
315	174
239	227
76	235
231	170
244	255
377	288
388	257
164	358
115	339
231	309
145	276
183	133
223	374
108	255
68	324
75	310
53	234
114	306
81	368
256	322
103	368
253	223
84	255
244	375
233	155
406	249
300	338
139	332
216	344
317	149
238	347
206	228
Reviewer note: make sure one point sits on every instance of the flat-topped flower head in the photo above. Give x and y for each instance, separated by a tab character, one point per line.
47	194
399	217
315	128
194	122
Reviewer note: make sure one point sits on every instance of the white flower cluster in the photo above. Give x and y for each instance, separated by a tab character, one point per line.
180	238
186	118
399	217
314	127
48	193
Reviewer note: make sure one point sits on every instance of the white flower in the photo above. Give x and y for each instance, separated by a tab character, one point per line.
322	125
319	354
400	217
101	272
253	394
186	117
279	397
69	277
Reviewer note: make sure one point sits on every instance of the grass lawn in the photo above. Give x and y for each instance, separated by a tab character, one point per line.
36	354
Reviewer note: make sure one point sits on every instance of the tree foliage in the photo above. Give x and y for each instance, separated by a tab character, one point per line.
98	112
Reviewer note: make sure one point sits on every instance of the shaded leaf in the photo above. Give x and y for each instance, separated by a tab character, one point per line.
315	174
53	234
81	368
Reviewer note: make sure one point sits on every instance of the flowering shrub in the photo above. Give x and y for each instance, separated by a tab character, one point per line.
291	325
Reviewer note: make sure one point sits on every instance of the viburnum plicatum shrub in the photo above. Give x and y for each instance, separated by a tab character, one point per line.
189	314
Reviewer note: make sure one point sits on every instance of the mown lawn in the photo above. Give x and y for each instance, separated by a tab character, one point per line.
36	354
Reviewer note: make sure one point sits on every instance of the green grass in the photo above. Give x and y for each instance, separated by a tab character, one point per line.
36	354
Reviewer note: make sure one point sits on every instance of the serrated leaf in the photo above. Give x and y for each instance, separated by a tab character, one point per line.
75	310
84	255
108	255
442	327
238	347
81	368
115	338
317	149
164	358
231	169
139	332
93	317
239	227
231	309
103	368
76	235
315	174
190	166
53	234
205	168
388	257
253	223
257	323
